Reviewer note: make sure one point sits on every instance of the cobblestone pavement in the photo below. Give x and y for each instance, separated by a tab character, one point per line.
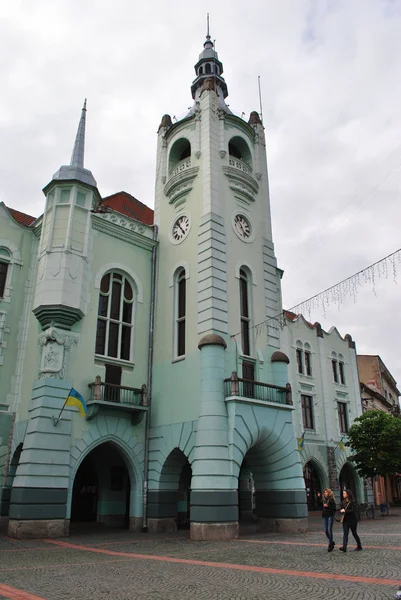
122	565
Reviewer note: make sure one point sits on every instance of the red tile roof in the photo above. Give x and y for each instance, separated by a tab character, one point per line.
126	204
21	217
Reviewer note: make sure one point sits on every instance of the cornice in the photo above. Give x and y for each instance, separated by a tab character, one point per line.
128	230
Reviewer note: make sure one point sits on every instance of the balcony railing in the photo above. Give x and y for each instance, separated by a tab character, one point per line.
101	391
239	164
257	390
181	166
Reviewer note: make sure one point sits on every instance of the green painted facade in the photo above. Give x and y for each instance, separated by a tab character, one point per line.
189	417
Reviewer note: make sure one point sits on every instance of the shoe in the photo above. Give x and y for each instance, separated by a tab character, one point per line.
342	549
358	549
331	547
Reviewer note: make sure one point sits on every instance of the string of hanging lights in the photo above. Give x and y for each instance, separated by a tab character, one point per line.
338	293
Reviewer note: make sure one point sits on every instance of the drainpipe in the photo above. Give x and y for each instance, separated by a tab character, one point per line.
149	399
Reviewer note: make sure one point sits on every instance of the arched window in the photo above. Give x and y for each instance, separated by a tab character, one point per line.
238	148
180	150
208	68
5	258
114	335
200	71
180	312
245	312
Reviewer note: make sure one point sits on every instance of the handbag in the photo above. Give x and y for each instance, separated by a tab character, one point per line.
343	515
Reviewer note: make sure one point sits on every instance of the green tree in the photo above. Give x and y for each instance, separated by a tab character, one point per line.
375	439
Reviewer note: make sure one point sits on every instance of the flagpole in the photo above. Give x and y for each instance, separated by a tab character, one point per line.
55	421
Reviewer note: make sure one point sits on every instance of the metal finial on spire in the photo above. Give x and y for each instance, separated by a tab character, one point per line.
208	33
77	158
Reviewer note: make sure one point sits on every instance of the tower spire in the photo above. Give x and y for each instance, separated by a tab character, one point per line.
209	67
77	158
75	170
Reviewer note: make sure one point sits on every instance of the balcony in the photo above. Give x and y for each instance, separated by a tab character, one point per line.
108	396
256	391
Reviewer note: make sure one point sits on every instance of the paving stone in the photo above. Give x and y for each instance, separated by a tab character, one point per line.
60	572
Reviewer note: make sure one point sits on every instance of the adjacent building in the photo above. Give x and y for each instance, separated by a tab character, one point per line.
325	388
379	392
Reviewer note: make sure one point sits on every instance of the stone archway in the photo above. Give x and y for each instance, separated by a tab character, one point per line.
349	480
313	485
169	506
6	491
102	488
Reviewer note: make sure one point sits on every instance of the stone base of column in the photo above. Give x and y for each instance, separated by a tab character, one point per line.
201	532
161	525
274	525
135	523
41	528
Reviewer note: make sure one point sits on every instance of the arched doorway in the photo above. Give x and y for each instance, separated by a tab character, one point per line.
175	484
183	501
102	488
313	486
246	494
348	479
6	492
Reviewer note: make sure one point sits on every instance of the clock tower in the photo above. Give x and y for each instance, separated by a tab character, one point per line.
217	282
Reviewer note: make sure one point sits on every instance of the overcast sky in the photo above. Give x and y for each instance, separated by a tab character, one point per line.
331	87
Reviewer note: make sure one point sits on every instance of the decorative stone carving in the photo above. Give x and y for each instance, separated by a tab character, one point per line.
222	153
197	154
258	176
54	347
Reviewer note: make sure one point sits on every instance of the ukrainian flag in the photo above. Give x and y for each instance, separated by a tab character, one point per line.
341	445
74	398
301	441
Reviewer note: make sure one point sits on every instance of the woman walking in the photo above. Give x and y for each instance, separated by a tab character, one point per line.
349	520
329	508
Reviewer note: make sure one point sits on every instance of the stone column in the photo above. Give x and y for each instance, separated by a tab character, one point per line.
39	493
214	495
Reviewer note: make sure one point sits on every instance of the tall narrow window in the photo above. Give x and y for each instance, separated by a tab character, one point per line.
115	316
308	363
3	277
245	315
300	365
341	369
307	411
4	265
342	417
335	370
181	302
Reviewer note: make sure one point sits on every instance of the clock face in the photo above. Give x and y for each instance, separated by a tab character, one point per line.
242	226
180	228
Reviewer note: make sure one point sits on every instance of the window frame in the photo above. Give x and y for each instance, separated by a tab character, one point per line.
341	372
334	368
299	359
180	319
308	363
245	312
4	277
308	420
113	324
342	411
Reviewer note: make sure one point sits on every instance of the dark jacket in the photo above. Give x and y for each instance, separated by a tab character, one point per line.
350	511
331	508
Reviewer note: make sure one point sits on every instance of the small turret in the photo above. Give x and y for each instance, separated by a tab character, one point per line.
209	72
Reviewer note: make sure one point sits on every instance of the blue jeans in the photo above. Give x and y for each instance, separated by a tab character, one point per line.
328	528
347	525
